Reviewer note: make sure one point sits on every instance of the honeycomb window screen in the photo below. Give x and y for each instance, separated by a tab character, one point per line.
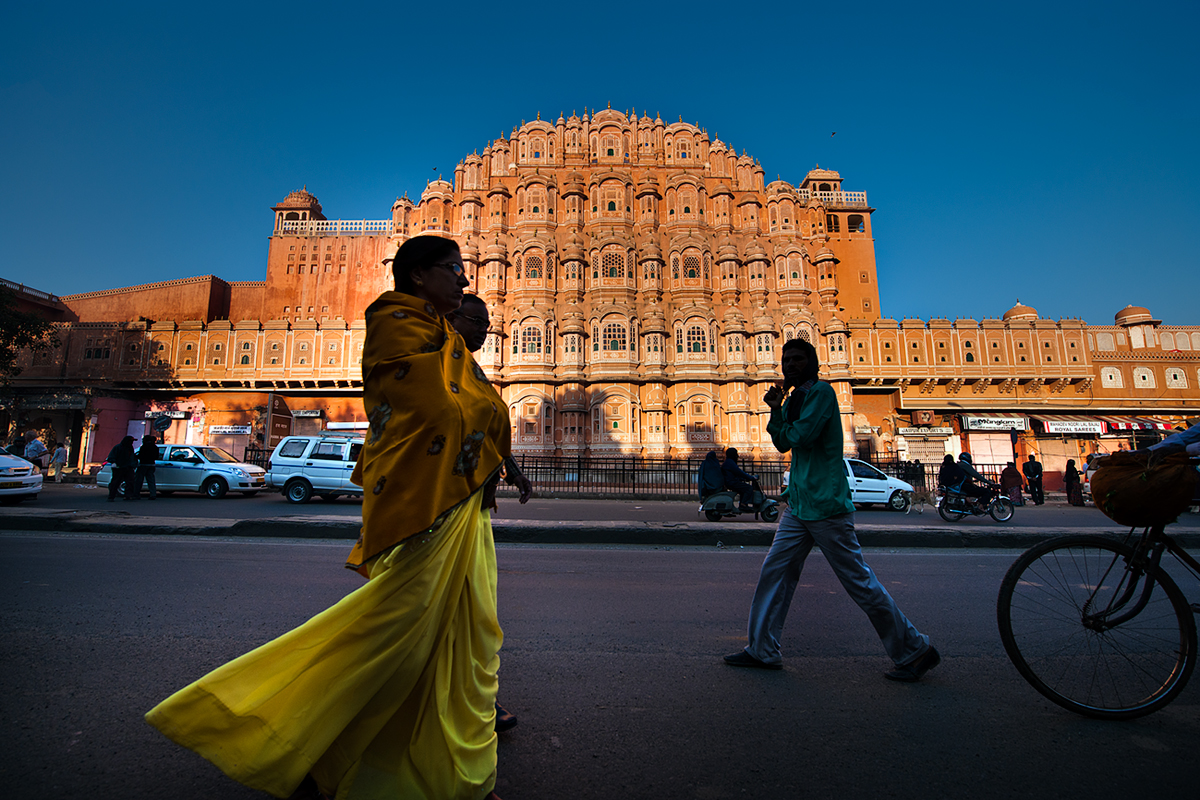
613	264
614	337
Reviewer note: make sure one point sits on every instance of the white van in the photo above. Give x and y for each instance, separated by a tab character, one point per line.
319	464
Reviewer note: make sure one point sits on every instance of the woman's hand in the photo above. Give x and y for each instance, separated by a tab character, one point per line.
514	477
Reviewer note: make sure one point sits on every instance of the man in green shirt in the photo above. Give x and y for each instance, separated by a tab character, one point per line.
820	512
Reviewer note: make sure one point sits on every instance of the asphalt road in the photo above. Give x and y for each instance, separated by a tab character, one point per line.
611	661
87	497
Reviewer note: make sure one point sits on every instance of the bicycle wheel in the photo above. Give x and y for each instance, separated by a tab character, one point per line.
1130	669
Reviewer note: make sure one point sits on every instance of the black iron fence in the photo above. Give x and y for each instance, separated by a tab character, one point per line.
643	478
258	456
660	478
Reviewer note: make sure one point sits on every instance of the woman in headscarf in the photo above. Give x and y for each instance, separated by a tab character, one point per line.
391	692
1012	482
124	460
1072	484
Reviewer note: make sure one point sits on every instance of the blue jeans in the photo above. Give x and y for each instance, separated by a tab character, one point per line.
780	573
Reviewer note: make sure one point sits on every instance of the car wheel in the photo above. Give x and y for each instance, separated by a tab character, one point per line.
214	488
329	497
249	494
899	501
298	491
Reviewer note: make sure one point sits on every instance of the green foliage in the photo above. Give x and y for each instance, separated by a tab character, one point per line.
21	331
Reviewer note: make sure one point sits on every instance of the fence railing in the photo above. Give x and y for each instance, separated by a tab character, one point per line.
659	478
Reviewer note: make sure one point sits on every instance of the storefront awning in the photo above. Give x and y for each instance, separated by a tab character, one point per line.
1137	424
1070	423
995	422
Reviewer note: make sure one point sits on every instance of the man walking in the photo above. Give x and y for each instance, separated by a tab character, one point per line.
820	512
1033	478
58	462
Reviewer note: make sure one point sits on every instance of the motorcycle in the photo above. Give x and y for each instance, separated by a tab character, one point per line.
725	503
953	505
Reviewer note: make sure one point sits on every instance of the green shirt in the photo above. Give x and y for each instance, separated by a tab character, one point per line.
817	487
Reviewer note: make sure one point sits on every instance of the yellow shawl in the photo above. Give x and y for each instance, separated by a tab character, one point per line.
438	429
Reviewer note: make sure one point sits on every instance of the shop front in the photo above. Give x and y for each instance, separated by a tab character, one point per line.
991	438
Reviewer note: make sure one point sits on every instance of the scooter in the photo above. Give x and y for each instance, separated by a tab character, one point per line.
725	504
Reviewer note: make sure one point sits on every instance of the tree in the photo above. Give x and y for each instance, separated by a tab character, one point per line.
19	331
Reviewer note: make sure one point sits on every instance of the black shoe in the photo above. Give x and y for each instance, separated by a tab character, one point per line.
504	720
744	659
913	672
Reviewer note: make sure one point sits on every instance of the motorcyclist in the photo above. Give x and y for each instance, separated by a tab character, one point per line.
738	480
975	485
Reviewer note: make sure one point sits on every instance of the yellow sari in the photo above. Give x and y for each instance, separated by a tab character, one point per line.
391	692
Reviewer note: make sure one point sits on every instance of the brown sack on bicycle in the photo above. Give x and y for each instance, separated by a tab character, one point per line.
1130	494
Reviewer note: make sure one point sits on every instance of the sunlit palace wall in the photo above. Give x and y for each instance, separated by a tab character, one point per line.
642	278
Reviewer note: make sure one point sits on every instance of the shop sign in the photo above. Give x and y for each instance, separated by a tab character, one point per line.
1074	426
863	429
229	429
169	414
308	412
926	431
279	424
50	402
995	423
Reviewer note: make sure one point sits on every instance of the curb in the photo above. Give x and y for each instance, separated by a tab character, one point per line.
518	531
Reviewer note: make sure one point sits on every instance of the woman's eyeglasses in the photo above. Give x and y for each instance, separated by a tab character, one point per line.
478	321
454	267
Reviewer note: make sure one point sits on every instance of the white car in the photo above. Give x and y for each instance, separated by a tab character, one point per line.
192	468
320	464
19	479
869	486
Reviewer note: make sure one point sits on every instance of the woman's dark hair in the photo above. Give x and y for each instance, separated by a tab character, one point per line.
814	364
949	459
417	253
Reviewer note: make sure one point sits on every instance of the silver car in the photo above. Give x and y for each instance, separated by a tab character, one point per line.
19	479
869	486
192	468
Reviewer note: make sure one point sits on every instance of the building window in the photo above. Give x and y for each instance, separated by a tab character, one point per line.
1176	379
614	337
697	341
245	359
1110	378
1143	378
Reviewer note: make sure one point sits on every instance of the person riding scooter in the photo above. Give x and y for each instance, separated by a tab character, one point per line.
738	480
710	479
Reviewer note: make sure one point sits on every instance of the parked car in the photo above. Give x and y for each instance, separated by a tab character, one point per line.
192	468
19	479
319	464
869	486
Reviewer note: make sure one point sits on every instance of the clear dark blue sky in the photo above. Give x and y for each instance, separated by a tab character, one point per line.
1044	151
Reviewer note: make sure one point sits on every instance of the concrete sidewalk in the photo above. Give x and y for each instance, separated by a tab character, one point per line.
315	526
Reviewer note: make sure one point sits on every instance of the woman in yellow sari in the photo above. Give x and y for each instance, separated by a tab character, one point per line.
391	692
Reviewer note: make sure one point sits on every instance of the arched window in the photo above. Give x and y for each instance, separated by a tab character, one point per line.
245	359
691	266
614	337
854	224
697	340
531	340
614	264
533	267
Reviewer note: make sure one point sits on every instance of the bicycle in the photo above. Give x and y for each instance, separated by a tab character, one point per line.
1096	624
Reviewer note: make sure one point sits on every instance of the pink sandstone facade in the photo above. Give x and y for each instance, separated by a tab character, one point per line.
642	278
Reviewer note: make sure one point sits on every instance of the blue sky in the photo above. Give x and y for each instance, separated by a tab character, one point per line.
1041	151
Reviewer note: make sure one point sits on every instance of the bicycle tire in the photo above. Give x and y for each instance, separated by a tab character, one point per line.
1127	671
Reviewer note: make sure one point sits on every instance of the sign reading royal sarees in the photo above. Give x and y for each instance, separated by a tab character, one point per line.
1074	426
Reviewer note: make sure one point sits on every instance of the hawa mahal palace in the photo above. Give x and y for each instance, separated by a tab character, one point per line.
641	278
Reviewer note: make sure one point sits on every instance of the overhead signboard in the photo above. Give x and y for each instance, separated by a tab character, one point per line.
926	431
995	423
308	412
229	429
1074	426
168	414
